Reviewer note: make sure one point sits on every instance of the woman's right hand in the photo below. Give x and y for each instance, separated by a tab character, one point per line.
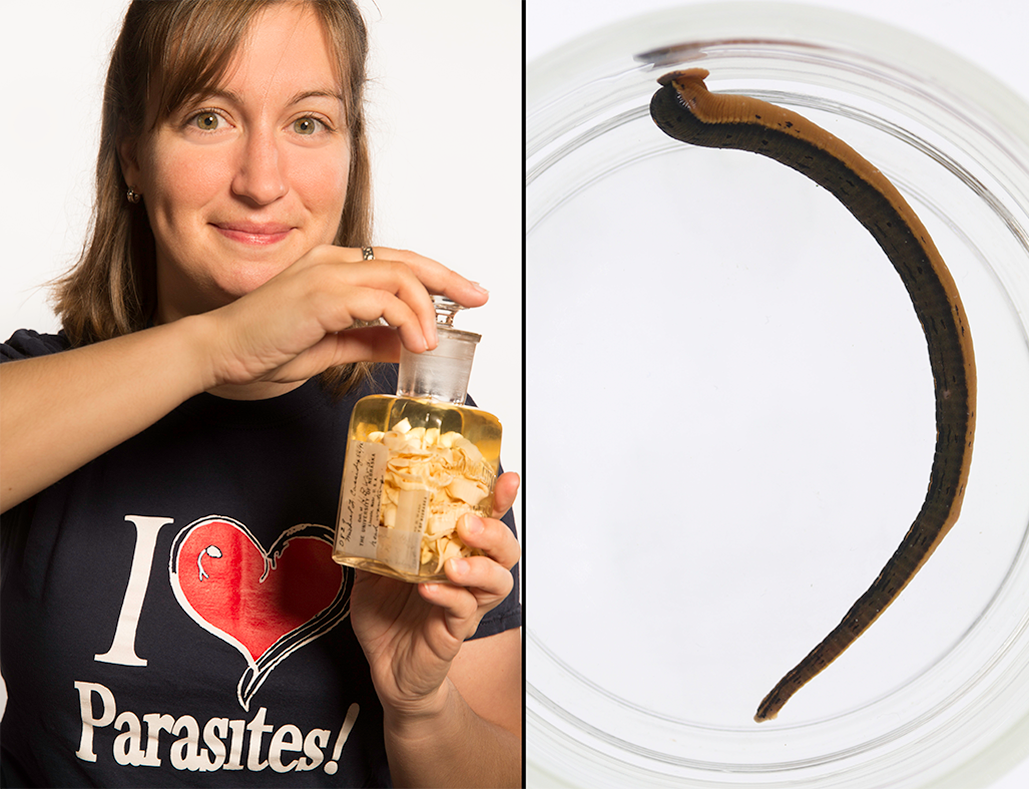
63	410
302	321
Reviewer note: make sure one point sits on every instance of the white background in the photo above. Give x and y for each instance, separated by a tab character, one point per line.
445	109
446	136
993	34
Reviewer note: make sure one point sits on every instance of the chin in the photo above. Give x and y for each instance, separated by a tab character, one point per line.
251	275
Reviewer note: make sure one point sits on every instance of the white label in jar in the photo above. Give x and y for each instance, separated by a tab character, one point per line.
401	546
357	532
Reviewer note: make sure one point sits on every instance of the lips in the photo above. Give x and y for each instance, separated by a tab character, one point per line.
254	233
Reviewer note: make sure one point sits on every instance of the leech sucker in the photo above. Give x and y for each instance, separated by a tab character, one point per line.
684	109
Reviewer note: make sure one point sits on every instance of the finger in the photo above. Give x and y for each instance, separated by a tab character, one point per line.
490	580
364	344
505	490
369	304
438	278
460	606
491	536
331	293
389	277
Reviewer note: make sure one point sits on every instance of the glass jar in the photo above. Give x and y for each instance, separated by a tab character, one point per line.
416	462
769	378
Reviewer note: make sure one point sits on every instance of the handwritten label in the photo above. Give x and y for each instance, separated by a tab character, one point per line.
357	522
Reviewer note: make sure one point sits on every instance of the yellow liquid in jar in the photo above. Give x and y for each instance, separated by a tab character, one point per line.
410	473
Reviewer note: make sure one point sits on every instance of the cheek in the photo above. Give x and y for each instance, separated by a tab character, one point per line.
322	184
184	181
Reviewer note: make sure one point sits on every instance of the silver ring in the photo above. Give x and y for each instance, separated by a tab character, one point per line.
367	253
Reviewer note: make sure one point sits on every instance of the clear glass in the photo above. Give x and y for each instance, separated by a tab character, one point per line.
415	463
442	373
748	450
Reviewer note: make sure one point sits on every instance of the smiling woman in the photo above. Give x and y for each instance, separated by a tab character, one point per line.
240	181
214	156
226	314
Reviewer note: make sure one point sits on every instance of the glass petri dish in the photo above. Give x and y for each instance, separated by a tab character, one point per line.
731	416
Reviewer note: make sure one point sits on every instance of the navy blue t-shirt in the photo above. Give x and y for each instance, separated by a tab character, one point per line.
171	615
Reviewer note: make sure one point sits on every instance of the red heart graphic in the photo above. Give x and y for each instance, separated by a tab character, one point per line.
253	598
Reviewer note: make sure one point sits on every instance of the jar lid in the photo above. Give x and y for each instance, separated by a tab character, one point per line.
446	309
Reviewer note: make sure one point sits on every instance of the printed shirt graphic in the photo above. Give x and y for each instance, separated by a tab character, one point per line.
265	603
171	615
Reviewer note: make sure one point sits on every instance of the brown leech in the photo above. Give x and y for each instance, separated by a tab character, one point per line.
684	109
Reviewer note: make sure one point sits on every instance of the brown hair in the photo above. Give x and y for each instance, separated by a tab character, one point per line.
189	44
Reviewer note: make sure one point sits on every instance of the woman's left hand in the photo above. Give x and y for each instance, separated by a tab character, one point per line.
411	632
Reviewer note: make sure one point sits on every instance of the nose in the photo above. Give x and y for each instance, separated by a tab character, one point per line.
260	176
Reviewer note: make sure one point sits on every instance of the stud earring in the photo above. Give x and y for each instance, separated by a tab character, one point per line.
132	195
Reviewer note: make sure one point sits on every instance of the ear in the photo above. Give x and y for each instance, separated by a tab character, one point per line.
129	160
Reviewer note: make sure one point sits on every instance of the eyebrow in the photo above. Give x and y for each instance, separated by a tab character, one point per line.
222	93
316	94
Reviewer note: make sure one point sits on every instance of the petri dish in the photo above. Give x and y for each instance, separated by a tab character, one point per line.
731	416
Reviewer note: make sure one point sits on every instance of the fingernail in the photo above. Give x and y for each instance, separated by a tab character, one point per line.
459	566
480	288
473	525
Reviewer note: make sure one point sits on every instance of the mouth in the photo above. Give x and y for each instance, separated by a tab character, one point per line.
253	233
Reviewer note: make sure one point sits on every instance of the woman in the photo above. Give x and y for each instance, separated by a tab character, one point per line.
213	349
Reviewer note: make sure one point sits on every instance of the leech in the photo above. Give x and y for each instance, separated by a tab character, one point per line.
684	109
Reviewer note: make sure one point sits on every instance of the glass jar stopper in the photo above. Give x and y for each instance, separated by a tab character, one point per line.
446	309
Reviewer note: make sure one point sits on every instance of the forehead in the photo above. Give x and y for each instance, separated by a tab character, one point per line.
285	50
279	46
